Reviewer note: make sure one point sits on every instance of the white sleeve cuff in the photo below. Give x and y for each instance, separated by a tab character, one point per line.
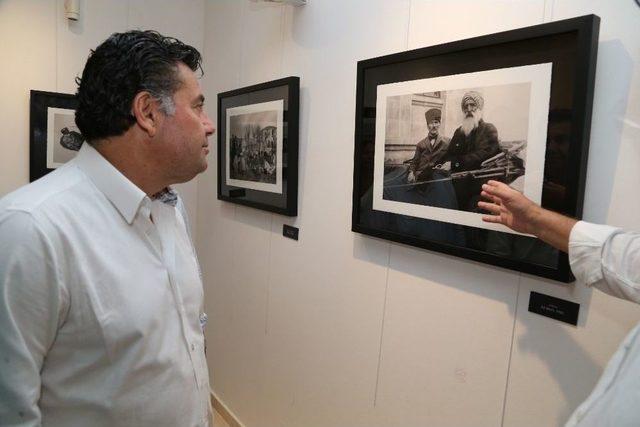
585	250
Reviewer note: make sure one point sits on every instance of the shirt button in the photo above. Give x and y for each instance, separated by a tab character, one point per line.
193	347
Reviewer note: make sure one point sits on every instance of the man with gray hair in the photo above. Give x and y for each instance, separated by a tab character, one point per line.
101	300
472	143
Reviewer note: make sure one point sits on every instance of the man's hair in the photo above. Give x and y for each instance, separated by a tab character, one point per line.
121	67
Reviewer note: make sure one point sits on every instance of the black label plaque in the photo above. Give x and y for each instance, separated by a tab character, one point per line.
290	232
555	308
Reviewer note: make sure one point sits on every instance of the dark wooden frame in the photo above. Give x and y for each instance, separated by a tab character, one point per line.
287	202
584	33
38	103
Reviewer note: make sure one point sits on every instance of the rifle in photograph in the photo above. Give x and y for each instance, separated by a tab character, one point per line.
505	165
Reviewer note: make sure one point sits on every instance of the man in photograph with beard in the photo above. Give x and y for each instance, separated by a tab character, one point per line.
472	143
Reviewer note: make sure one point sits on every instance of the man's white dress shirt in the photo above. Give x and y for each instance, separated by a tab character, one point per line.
609	259
101	305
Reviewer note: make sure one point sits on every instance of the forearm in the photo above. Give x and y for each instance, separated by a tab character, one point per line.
551	227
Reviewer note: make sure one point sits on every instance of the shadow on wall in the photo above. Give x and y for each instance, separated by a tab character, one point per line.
312	33
613	80
573	369
303	148
569	364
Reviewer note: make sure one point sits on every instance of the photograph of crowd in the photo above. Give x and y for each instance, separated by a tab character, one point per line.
253	152
254	144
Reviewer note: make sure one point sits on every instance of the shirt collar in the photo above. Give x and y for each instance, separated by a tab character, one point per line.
121	192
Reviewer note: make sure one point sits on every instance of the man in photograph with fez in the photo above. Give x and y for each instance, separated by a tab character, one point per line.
414	183
430	150
423	183
472	143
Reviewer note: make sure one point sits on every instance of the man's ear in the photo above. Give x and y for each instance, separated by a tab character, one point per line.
145	109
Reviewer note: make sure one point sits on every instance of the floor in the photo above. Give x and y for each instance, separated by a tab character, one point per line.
218	421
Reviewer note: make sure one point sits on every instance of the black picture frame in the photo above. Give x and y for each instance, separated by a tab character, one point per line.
571	48
258	167
41	150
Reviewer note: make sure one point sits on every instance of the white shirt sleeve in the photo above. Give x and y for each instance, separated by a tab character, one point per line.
31	310
607	258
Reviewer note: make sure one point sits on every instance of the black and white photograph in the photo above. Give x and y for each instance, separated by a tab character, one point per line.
254	146
435	123
54	137
438	140
258	145
63	137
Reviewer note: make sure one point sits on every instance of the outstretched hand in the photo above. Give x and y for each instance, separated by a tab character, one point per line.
511	208
508	207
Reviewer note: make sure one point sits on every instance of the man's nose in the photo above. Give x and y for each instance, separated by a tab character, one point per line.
208	126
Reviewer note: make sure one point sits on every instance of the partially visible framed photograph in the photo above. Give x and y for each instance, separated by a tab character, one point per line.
434	124
54	137
258	146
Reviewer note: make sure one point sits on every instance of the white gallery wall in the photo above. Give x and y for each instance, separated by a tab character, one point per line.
340	329
42	50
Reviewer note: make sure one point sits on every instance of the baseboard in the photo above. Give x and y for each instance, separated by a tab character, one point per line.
226	413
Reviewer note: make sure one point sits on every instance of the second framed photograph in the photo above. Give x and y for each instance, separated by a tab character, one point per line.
258	146
54	137
434	124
